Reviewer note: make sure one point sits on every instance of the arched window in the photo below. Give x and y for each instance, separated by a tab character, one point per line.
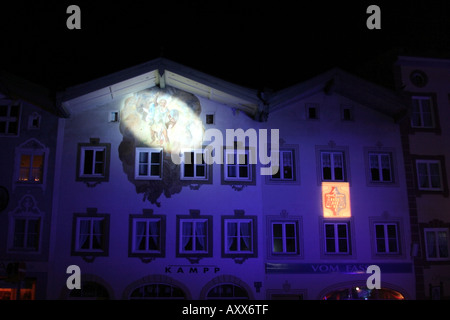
90	290
227	291
157	291
363	293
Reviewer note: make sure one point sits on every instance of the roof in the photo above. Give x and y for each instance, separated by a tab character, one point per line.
15	87
341	82
159	72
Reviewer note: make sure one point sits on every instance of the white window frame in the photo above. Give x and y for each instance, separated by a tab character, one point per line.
238	236
91	234
281	166
379	167
146	235
284	237
148	176
428	176
332	167
386	238
197	153
421	112
95	149
8	118
237	153
336	238
193	235
436	244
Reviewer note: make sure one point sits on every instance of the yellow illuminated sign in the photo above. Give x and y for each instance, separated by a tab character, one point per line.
336	200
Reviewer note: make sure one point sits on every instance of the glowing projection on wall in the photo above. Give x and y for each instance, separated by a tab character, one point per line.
160	122
165	118
336	200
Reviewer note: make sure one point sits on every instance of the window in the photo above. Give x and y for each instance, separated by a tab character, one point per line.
93	161
90	234
333	166
239	236
146	235
34	121
90	290
312	111
149	163
227	291
437	243
26	234
287	166
193	166
380	167
210	119
9	118
284	238
237	165
194	235
347	113
429	175
422	112
194	240
157	291
31	164
31	168
386	238
337	238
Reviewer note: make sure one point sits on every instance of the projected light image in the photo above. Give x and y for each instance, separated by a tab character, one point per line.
156	123
166	118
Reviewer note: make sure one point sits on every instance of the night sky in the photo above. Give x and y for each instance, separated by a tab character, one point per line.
257	44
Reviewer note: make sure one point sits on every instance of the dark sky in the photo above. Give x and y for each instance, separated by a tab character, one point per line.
258	44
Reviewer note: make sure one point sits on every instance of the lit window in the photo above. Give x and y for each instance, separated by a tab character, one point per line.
193	236
284	237
386	238
9	118
380	167
422	112
148	163
333	166
31	164
337	238
429	175
238	236
437	243
31	168
193	166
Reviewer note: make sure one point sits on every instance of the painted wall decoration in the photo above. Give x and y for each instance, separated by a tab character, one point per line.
336	200
159	118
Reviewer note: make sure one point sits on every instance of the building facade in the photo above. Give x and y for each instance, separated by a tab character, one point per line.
28	136
166	189
426	138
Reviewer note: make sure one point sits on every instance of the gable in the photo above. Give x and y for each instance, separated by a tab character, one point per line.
161	73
